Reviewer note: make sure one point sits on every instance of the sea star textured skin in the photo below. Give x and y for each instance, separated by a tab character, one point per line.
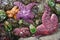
25	11
49	23
12	12
58	1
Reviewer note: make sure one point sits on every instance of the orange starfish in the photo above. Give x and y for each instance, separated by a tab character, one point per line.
12	13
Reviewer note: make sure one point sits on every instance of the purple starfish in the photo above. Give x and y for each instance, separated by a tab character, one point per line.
25	11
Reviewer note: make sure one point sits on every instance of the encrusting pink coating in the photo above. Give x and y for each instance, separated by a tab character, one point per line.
22	32
58	1
49	23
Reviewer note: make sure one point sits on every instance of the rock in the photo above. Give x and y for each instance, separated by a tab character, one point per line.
31	38
55	36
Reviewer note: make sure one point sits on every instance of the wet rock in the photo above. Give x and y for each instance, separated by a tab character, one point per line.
55	36
31	38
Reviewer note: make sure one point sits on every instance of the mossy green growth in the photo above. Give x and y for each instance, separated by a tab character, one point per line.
7	26
58	8
2	15
52	5
32	28
20	21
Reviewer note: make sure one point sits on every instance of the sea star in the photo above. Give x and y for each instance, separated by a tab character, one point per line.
25	11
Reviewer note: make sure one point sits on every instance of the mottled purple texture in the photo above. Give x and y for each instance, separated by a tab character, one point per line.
0	1
58	1
1	24
25	11
22	32
49	23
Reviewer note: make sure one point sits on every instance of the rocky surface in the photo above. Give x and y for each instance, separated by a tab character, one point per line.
55	36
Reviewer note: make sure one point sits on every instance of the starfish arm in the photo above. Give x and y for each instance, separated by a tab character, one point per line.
29	6
31	15
19	4
14	8
18	15
46	18
54	20
41	29
45	30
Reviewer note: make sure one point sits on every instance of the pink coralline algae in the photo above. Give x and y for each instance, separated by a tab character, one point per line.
22	32
49	23
25	11
58	1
